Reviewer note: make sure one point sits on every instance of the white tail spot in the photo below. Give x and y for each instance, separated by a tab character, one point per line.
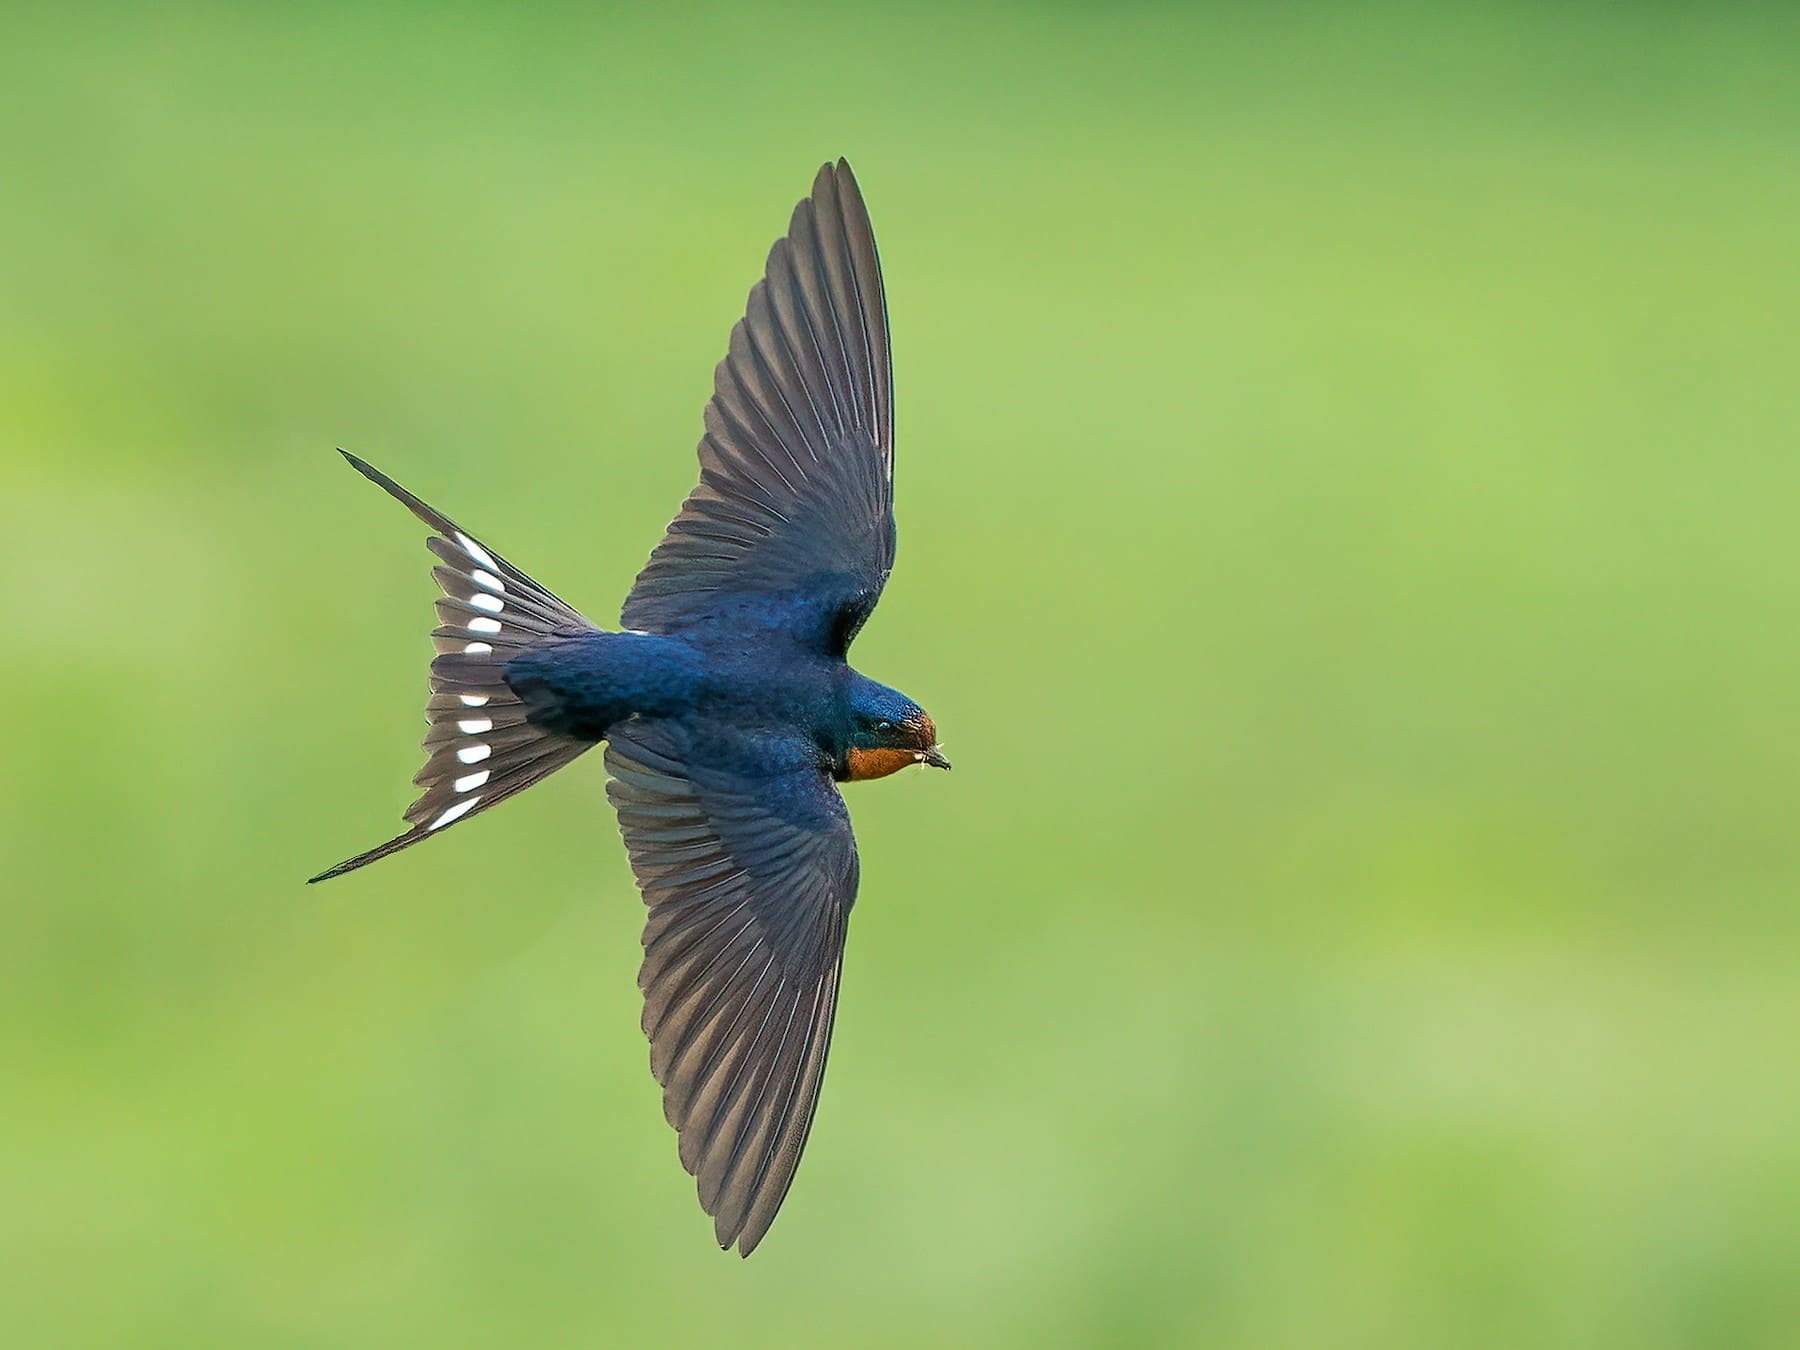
474	754
472	782
484	625
456	812
488	579
477	649
474	726
475	550
493	604
474	700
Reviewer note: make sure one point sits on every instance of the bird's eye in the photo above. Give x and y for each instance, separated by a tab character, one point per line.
884	727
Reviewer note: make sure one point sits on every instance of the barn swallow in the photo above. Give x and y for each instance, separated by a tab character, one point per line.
726	703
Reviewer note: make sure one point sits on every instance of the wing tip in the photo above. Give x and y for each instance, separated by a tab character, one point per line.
740	1237
836	177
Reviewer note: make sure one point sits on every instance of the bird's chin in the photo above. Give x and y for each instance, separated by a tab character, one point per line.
878	763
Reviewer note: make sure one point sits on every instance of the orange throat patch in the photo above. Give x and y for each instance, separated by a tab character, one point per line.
878	763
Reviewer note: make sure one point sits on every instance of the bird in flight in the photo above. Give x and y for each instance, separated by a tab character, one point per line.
727	706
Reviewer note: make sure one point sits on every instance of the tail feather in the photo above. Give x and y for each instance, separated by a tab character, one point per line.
481	747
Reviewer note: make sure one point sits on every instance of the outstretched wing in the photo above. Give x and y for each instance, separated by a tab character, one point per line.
749	869
793	519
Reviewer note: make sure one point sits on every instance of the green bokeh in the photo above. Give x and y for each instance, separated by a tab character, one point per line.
1347	501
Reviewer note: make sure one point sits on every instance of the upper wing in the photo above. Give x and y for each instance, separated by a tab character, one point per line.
795	502
749	870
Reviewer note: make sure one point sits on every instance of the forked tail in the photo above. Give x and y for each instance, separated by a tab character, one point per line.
480	748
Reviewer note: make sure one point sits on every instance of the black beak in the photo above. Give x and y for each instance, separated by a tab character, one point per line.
935	758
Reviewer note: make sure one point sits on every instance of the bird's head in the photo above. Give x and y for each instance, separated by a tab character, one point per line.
888	732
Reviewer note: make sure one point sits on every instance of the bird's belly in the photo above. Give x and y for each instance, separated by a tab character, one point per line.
877	763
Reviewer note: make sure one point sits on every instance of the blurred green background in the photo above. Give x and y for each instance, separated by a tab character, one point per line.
1347	539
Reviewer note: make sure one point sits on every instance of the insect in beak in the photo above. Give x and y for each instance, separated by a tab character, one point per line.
934	757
